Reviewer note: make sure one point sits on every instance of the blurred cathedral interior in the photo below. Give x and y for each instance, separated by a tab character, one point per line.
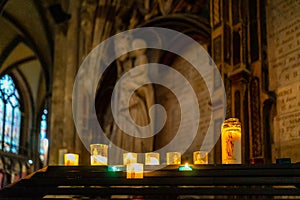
254	44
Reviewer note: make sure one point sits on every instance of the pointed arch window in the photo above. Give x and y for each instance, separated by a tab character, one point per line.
43	136
10	115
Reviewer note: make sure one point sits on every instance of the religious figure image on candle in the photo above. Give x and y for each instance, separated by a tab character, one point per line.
134	170
173	158
130	171
229	146
231	141
94	158
200	157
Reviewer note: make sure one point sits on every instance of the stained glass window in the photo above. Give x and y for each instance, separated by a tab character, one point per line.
43	136
10	115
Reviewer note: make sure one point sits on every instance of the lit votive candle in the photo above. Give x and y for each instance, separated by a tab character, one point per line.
152	158
115	168
173	158
129	158
200	157
71	159
99	154
186	167
231	141
134	170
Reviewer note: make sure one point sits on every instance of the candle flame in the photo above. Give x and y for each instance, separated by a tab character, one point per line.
186	167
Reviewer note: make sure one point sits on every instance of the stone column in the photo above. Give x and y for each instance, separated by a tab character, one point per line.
63	134
56	126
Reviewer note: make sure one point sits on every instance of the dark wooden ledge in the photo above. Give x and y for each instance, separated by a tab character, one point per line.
89	182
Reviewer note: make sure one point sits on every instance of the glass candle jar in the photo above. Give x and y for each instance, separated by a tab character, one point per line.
231	141
173	158
134	170
129	158
200	157
71	159
99	154
152	158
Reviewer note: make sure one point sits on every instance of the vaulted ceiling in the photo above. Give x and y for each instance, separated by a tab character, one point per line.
25	43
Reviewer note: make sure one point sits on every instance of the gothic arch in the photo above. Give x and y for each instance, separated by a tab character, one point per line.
194	26
27	110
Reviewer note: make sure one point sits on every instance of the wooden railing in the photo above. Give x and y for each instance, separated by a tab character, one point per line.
217	181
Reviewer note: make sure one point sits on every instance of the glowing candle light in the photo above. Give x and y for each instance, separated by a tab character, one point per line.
173	158
99	154
200	157
186	167
71	159
152	158
135	170
129	158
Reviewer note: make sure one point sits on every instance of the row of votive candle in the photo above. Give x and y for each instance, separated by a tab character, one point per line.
99	156
173	158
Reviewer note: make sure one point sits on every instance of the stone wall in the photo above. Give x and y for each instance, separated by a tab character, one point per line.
283	28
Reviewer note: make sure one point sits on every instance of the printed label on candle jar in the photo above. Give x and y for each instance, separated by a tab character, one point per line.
129	158
98	160
231	146
134	170
71	159
99	154
231	141
152	158
173	158
200	157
